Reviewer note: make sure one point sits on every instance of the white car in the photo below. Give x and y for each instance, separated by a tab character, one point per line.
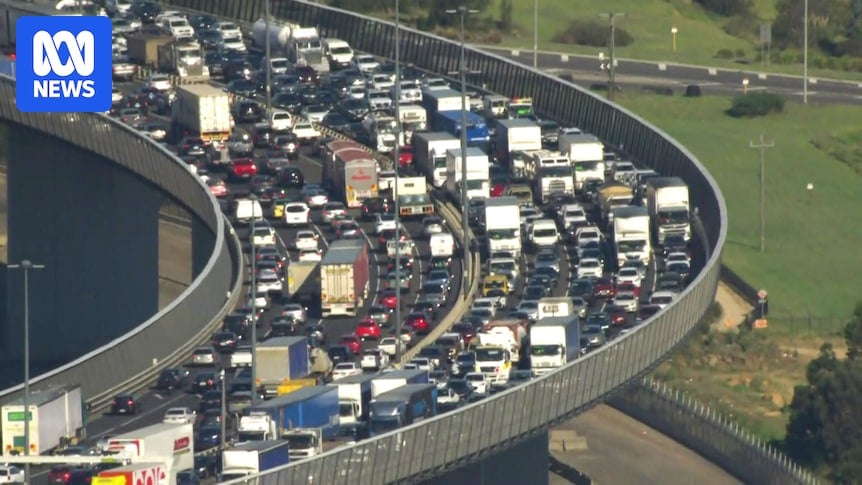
626	300
179	416
628	275
296	214
331	210
422	363
590	267
488	303
305	131
662	298
268	281
310	256
306	239
433	83
11	474
573	214
383	222
677	257
345	369
388	345
588	234
477	381
448	396
366	63
382	82
229	29
374	359
179	28
160	82
280	120
116	95
263	236
260	299
231	42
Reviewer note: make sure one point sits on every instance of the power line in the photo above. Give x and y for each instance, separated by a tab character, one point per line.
762	146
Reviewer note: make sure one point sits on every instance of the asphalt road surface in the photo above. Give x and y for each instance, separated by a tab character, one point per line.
635	74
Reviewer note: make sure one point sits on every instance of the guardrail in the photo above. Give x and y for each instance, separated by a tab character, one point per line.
717	438
133	359
451	440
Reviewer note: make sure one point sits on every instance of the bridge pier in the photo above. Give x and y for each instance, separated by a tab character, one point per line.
203	244
524	463
95	227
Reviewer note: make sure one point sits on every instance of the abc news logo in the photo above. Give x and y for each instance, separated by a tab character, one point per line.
64	64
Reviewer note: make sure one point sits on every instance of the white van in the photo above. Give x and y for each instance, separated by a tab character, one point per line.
662	298
543	233
247	210
442	244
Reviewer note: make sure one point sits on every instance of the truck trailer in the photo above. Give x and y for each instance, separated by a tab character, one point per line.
554	342
401	407
252	458
478	174
516	135
503	225
413	199
201	110
344	278
281	359
390	380
56	419
350	171
632	234
171	445
429	155
587	155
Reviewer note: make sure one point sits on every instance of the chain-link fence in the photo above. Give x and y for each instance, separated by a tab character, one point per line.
137	355
714	436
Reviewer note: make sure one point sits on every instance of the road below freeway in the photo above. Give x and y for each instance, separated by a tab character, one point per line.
632	73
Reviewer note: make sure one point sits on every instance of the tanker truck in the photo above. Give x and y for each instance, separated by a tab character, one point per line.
301	45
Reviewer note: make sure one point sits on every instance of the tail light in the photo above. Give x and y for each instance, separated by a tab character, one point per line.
131	402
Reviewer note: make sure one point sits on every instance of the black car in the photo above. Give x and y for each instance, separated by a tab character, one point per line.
207	437
207	465
377	205
242	87
339	353
290	102
125	404
225	341
291	178
188	477
191	145
172	378
238	323
335	121
206	381
286	145
210	400
262	136
146	11
274	166
248	112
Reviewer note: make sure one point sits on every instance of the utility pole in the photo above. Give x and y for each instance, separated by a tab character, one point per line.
762	146
535	34
397	165
612	84
268	60
805	53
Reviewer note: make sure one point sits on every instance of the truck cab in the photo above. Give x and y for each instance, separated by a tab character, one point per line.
494	362
304	442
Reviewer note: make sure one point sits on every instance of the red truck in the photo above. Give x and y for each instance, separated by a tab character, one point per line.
351	171
344	278
136	474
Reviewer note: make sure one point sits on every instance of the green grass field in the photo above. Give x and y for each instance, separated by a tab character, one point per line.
699	36
810	263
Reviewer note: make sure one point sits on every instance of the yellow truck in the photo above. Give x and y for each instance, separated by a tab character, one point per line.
289	386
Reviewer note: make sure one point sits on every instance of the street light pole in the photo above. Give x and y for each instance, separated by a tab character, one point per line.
253	292
535	34
26	265
223	381
268	60
612	16
396	165
805	54
762	146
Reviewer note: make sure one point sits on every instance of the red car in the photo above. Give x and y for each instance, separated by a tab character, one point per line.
603	288
419	322
217	187
617	314
498	189
368	329
628	286
243	168
405	158
352	342
388	299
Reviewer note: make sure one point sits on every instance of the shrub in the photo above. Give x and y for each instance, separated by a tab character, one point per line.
756	104
724	54
727	8
743	26
591	33
739	52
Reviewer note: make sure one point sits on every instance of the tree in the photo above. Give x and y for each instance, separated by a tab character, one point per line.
825	426
506	15
826	21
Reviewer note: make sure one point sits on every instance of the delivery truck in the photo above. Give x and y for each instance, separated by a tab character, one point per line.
478	174
505	333
350	171
516	135
413	199
503	225
429	155
201	110
304	418
354	394
632	235
587	154
143	48
390	380
169	444
668	205
186	59
554	342
401	407
281	359
344	278
436	100
56	419
252	458
554	306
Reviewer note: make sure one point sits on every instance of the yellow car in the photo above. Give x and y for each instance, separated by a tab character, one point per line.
495	285
278	209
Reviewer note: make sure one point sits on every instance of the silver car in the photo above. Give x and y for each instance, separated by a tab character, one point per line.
547	259
239	144
432	225
204	356
294	311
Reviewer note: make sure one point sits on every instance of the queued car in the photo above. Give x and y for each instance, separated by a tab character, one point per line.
125	404
367	328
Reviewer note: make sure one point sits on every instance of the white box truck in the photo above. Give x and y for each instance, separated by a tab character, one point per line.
554	306
201	110
344	278
667	201
632	234
519	134
168	443
390	380
587	155
429	155
253	457
354	394
554	342
478	174
503	225
56	418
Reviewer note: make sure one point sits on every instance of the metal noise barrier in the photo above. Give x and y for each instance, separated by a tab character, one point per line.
181	355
